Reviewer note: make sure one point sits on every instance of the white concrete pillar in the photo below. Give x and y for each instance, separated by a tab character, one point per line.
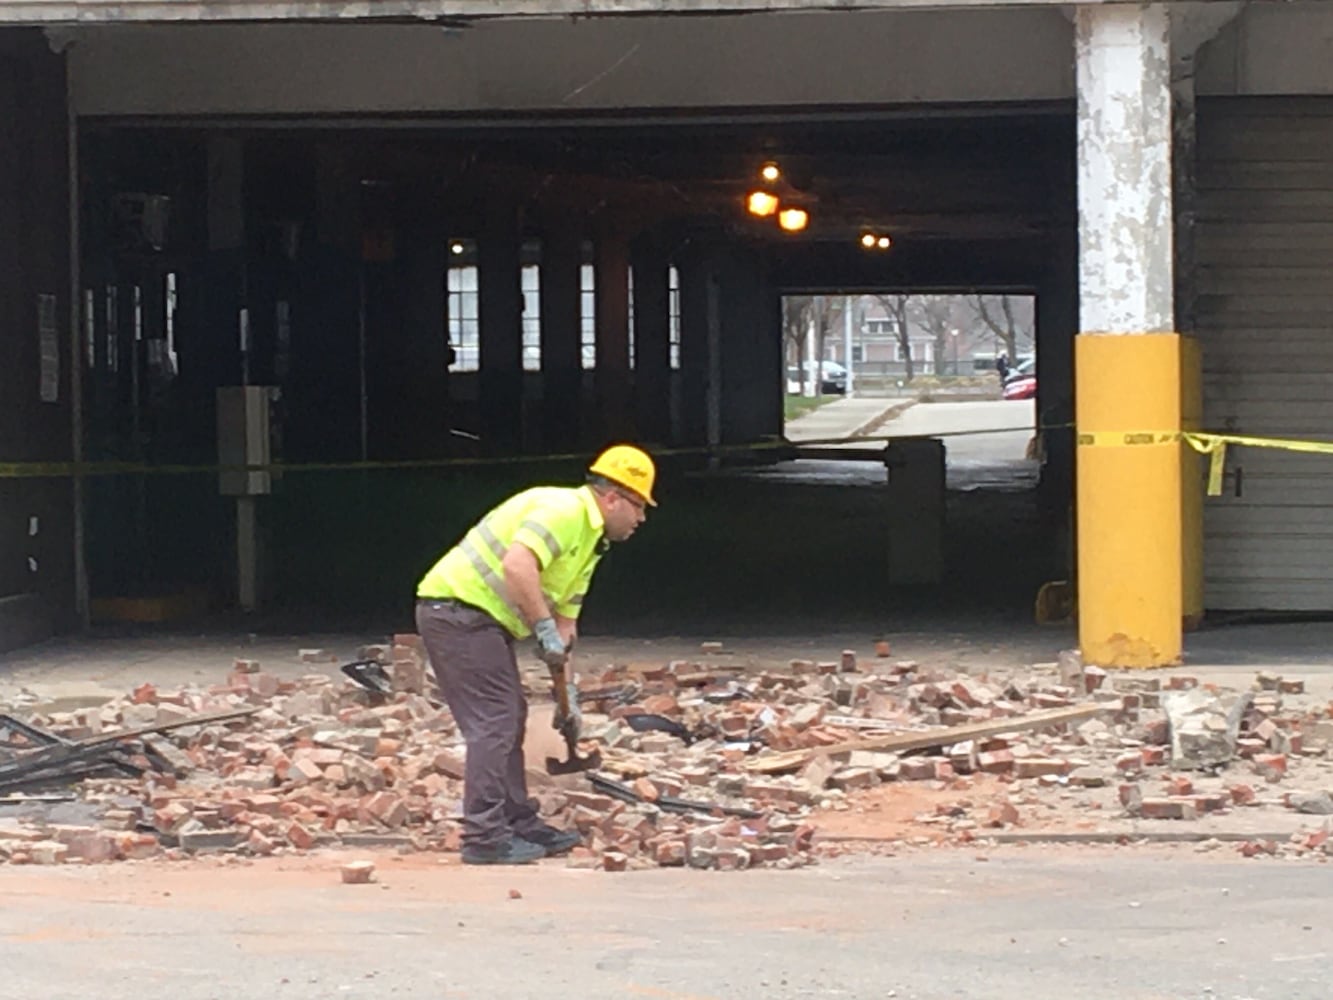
1124	168
1127	358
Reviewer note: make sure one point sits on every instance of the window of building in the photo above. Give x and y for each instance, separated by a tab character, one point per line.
881	327
588	310
629	275
464	323
858	354
530	280
902	355
673	314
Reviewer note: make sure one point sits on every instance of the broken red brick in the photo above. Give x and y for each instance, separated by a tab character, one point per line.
1166	808
1272	766
388	809
1036	767
1242	795
1253	848
995	761
670	853
917	769
1179	785
1153	756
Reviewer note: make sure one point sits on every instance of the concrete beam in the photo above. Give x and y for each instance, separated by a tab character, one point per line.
60	12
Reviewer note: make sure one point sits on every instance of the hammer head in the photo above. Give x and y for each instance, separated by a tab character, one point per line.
575	763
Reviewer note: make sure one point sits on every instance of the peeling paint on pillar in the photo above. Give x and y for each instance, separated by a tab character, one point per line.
1124	168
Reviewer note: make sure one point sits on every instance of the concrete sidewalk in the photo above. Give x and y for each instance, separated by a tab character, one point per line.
845	417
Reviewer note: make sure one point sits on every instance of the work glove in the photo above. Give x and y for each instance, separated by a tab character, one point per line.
568	725
550	647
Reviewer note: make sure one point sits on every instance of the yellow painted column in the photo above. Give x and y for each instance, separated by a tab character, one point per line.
1191	485
1130	585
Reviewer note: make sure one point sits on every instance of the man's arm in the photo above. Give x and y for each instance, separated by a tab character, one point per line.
522	577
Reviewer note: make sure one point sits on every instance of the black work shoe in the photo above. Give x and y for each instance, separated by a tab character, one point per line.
553	841
514	851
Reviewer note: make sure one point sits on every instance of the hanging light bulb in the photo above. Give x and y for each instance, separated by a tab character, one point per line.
793	220
884	242
761	203
770	172
868	240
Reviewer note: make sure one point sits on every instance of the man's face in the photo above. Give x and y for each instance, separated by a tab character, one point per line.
623	512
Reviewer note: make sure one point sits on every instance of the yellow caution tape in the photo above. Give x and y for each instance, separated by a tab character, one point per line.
1123	439
1213	445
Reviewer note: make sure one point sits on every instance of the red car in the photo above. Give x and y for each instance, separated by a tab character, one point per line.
1023	387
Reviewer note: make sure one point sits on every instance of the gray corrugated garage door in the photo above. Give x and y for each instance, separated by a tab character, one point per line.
1265	243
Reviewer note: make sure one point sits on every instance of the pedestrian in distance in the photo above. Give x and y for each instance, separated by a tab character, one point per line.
522	570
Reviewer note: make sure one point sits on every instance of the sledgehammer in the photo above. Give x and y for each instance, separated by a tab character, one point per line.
567	722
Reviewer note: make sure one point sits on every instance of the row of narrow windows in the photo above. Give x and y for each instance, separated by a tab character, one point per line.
465	327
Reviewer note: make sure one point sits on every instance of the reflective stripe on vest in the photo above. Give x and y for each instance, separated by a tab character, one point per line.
487	573
541	532
489	576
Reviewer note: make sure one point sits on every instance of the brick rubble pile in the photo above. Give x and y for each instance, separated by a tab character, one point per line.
706	765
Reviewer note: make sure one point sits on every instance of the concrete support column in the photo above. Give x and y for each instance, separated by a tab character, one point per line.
418	372
652	340
1127	359
561	333
500	315
1057	326
612	377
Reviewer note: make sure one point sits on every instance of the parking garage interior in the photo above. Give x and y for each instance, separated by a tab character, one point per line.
381	284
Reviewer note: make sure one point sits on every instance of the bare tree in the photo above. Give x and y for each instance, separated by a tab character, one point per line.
996	312
797	313
896	307
936	315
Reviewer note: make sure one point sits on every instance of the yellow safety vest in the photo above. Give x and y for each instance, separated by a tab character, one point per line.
564	529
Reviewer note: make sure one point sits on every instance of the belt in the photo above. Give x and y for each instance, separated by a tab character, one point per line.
453	602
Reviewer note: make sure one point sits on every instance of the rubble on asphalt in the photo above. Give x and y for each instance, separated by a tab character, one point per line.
705	764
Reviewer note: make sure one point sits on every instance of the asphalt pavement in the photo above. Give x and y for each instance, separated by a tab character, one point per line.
1002	924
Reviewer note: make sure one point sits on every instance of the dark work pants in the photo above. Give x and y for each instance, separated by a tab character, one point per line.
473	658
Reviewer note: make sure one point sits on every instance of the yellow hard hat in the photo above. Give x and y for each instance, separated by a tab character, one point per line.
627	466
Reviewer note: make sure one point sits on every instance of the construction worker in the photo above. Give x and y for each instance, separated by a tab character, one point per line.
522	570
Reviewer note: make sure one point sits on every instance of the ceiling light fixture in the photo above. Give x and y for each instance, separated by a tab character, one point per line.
761	203
793	220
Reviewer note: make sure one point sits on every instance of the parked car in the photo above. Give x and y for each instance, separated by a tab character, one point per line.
834	377
1020	387
1027	368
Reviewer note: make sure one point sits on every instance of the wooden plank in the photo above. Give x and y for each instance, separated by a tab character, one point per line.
920	740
